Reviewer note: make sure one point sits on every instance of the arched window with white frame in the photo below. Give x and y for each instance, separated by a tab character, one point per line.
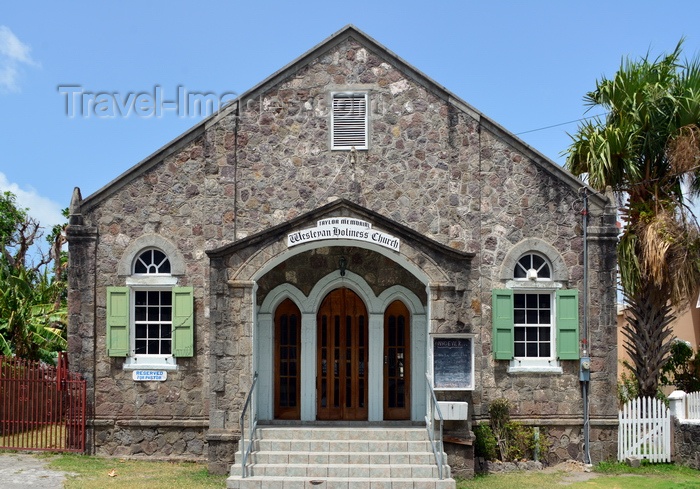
153	308
151	320
535	319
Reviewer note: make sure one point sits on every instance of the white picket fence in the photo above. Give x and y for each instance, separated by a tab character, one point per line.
693	405
645	430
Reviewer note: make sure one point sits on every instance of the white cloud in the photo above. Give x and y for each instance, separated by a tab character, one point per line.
13	54
44	210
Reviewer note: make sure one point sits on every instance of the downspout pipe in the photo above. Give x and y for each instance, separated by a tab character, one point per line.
585	376
236	118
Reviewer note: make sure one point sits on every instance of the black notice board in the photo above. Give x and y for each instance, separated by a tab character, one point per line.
452	363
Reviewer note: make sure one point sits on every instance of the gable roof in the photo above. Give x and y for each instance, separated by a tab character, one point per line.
347	32
334	209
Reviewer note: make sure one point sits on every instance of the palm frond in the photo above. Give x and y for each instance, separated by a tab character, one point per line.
646	148
669	255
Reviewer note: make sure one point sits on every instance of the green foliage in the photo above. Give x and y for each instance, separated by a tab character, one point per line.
499	411
627	386
522	443
33	312
683	368
514	440
646	148
32	325
485	444
10	215
519	441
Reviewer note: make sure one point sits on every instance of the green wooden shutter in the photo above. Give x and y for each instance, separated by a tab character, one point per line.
117	321
502	317
183	321
567	325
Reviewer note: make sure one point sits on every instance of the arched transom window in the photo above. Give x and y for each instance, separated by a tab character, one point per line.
152	262
532	266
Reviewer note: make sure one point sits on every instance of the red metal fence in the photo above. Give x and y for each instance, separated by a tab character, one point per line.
41	407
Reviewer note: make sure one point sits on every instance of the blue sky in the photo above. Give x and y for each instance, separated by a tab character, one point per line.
525	65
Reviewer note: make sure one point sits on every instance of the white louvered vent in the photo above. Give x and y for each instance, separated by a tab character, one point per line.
349	121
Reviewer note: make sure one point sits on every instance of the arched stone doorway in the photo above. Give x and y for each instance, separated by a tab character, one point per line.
369	384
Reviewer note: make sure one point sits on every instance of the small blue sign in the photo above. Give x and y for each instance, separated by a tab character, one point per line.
150	375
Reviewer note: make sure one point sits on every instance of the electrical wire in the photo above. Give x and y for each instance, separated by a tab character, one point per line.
560	124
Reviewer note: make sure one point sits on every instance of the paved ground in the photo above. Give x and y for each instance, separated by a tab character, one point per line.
21	470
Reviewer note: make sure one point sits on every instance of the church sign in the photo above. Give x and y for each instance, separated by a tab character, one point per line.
453	362
343	228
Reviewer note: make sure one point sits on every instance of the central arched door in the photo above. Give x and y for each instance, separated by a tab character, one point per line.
342	357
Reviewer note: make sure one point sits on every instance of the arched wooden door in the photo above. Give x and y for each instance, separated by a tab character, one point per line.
397	362
342	357
287	361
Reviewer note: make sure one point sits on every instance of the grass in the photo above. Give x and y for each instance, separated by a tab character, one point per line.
47	436
607	476
89	472
94	473
519	480
649	476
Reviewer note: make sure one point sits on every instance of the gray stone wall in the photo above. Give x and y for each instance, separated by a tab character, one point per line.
534	204
432	166
172	441
460	458
417	171
81	313
153	203
686	443
566	443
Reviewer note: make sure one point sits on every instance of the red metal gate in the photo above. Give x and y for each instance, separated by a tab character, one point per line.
42	407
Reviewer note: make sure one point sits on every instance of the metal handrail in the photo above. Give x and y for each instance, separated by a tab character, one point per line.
253	422
430	426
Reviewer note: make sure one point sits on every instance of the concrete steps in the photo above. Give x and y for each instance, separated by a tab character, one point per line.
329	457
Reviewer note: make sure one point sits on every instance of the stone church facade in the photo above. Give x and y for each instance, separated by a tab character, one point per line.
344	232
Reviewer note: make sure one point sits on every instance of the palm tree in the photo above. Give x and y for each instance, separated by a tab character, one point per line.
647	148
